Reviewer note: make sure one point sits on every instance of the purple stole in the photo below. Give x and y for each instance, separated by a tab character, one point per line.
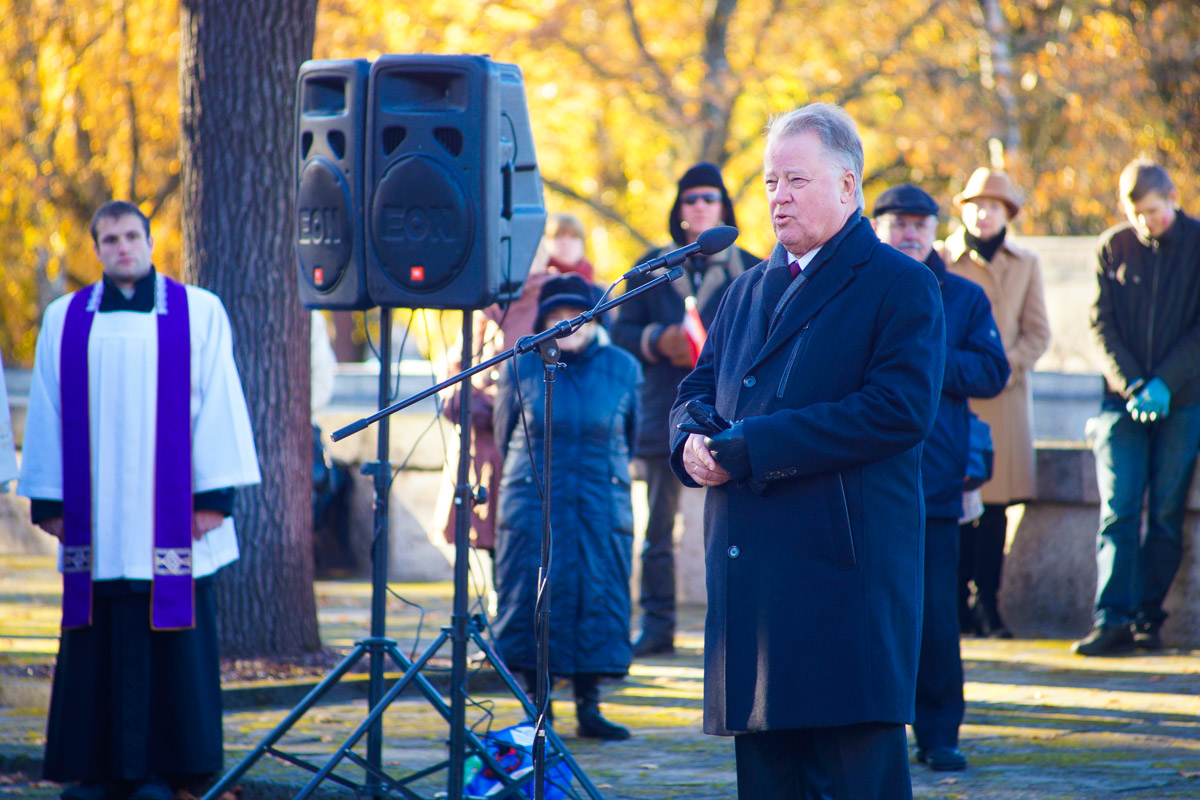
172	605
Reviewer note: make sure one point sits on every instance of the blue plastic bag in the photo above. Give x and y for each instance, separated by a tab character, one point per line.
513	749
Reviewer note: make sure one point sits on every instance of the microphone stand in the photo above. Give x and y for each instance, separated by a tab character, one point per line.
463	628
544	343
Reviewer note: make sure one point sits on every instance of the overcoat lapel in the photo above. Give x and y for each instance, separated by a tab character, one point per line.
834	269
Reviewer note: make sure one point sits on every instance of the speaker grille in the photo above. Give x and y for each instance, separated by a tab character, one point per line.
337	143
451	140
306	141
393	135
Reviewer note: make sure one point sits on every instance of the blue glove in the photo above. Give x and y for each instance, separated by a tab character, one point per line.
1152	402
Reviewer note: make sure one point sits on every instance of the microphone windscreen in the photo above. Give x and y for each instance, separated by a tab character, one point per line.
714	240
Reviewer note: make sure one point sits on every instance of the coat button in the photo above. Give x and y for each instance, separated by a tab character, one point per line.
734	551
749	382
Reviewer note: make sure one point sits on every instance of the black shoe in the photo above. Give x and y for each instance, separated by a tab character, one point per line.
594	726
1146	636
152	789
1105	640
653	646
86	791
943	759
1000	633
587	712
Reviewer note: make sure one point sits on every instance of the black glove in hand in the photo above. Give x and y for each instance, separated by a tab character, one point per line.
729	449
705	419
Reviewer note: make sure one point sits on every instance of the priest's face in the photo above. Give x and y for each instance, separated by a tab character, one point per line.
124	248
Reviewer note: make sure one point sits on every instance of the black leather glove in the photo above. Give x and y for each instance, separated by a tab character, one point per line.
705	419
729	449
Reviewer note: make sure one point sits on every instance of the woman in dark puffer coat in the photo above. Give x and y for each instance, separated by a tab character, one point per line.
595	413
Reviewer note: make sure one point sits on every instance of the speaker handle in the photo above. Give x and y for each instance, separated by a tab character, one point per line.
507	172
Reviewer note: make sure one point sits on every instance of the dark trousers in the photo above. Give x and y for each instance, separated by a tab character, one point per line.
658	552
1136	460
981	562
868	761
939	672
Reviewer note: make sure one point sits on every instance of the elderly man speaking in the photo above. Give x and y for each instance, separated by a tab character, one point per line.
819	380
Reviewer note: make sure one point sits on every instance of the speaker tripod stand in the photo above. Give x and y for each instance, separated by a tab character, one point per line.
380	649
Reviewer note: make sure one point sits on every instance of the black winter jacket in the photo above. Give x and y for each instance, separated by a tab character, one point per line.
642	319
1147	315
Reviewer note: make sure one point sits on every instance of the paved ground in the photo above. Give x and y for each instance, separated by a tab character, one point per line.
1041	724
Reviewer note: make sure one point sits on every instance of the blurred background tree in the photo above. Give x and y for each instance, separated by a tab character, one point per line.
624	96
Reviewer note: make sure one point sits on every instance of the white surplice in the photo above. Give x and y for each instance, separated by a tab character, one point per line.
122	382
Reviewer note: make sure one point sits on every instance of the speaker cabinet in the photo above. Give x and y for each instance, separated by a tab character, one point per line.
454	209
331	114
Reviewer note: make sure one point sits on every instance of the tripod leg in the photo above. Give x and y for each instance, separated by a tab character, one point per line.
310	699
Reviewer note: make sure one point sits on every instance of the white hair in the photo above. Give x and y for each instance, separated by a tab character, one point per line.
836	130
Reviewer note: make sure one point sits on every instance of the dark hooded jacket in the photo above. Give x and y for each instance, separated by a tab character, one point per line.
642	319
595	410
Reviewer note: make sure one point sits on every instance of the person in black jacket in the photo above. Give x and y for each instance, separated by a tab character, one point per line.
595	415
1147	322
906	218
651	327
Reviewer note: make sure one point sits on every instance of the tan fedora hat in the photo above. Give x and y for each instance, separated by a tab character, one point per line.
991	183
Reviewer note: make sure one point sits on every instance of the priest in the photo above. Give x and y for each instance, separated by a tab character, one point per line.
136	439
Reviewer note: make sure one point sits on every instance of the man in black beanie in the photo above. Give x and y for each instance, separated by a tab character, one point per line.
651	327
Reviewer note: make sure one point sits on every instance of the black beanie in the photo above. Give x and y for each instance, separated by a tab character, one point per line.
563	290
703	174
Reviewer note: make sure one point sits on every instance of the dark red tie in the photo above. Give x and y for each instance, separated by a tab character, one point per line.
794	268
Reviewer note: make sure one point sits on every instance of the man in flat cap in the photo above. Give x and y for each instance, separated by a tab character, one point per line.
906	218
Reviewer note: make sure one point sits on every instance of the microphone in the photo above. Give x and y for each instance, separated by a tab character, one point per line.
711	242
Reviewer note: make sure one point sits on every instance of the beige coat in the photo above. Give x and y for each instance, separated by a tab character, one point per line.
1012	282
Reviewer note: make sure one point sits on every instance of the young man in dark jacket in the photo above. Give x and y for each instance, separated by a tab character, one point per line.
651	327
906	218
1147	322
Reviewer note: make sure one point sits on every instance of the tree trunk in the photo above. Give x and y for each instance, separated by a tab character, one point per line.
237	73
997	74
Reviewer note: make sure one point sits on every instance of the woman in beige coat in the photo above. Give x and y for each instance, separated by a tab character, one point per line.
1012	280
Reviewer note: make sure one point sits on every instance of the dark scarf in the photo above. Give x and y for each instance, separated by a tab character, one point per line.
988	248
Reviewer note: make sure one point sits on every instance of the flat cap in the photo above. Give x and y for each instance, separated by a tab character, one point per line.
905	199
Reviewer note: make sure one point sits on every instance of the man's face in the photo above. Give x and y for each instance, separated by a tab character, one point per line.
809	193
700	209
1153	215
985	217
911	234
124	249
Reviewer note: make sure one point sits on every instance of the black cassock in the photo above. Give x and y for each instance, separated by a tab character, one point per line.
129	702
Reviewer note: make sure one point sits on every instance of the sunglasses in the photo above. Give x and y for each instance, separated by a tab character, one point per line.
712	198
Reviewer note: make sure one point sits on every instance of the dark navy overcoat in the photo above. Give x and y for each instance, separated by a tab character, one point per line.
814	582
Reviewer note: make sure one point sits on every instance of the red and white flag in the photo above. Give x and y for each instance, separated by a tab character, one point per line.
693	328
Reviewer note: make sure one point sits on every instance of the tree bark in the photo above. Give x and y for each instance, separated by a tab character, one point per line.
237	73
997	74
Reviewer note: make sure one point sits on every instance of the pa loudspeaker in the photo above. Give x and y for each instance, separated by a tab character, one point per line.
331	114
454	209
